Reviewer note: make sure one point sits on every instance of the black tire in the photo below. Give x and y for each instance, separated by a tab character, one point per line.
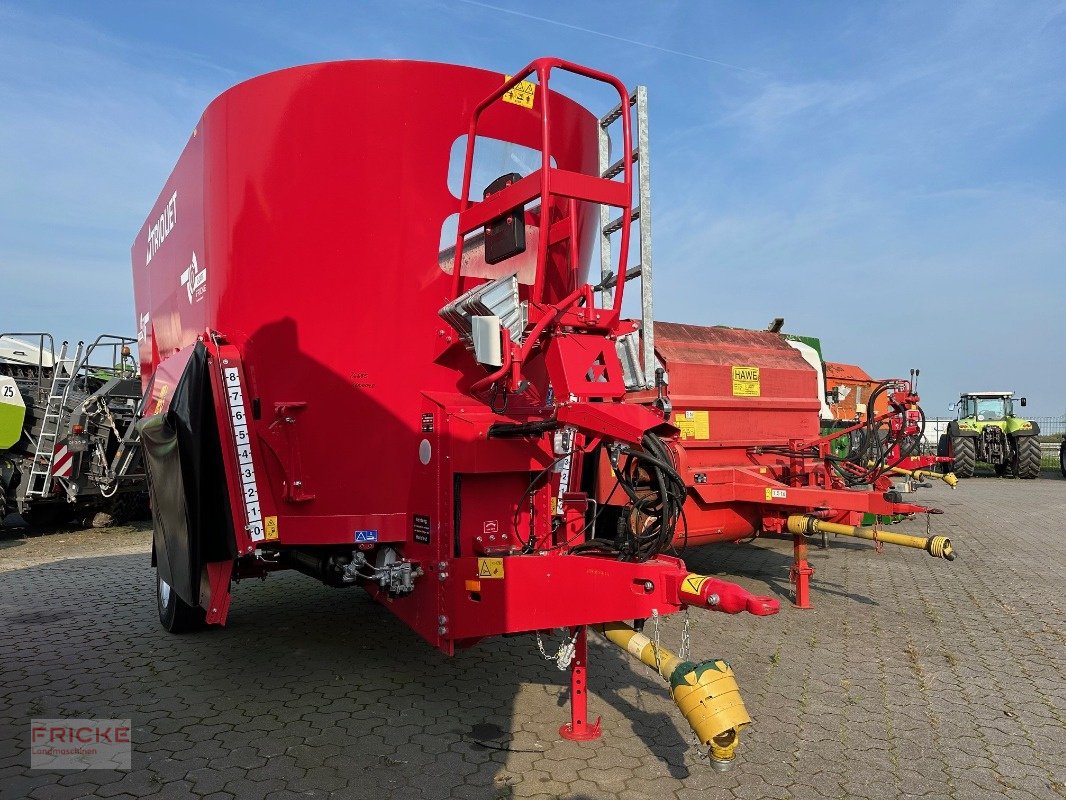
943	449
1062	459
964	459
129	506
1026	458
49	514
10	477
175	615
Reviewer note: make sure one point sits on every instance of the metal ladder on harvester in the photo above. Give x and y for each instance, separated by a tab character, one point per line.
635	349
63	372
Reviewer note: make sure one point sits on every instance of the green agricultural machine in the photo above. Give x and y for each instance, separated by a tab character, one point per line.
987	430
68	443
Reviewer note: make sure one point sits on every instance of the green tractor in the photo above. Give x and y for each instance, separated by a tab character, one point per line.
987	430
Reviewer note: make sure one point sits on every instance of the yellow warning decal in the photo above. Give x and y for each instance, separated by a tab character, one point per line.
161	398
694	424
490	567
746	382
522	94
693	583
776	494
270	528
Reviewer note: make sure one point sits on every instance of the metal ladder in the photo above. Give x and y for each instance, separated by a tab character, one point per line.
64	370
636	377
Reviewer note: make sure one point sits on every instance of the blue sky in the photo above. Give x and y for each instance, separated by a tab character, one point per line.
890	177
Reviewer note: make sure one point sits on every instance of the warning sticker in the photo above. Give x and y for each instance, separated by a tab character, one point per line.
366	536
746	382
694	424
776	494
693	583
270	528
522	94
490	567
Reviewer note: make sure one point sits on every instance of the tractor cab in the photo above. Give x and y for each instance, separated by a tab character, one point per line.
986	406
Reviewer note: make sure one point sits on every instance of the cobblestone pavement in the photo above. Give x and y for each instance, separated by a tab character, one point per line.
912	677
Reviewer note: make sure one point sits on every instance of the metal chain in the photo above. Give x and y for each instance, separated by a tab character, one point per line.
686	640
655	633
543	652
564	655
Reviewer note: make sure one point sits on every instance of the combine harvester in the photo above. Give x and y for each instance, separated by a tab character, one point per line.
67	429
356	372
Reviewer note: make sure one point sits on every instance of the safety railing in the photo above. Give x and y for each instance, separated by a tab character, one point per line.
548	181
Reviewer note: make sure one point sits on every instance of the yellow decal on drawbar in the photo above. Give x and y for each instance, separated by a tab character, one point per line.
694	424
270	528
490	567
693	583
522	94
746	382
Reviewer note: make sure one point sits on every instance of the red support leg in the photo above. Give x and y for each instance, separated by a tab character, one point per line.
218	573
578	729
800	574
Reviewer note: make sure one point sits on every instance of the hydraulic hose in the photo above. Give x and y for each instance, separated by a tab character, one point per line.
656	495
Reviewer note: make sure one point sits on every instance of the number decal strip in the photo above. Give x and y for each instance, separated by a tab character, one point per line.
242	440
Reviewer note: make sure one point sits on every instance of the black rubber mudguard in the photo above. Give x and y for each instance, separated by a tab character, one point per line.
187	482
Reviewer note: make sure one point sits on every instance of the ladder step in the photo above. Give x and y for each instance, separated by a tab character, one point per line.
616	112
619	165
612	279
616	223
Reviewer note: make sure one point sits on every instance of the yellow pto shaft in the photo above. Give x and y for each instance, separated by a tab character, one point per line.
707	694
937	546
921	474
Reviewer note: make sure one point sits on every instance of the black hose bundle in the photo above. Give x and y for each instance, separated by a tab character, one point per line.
656	495
872	445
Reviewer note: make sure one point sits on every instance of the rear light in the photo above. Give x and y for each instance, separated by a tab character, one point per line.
77	429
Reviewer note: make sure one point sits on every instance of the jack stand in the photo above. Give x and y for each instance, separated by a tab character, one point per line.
800	574
219	574
578	729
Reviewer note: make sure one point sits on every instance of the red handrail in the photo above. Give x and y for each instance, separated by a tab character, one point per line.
574	185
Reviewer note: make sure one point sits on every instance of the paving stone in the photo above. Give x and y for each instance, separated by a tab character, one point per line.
911	677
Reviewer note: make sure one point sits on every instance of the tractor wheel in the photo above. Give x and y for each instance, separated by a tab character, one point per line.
175	615
943	449
129	506
1026	459
1062	459
964	459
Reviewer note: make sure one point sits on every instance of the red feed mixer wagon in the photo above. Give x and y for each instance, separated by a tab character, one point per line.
371	353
